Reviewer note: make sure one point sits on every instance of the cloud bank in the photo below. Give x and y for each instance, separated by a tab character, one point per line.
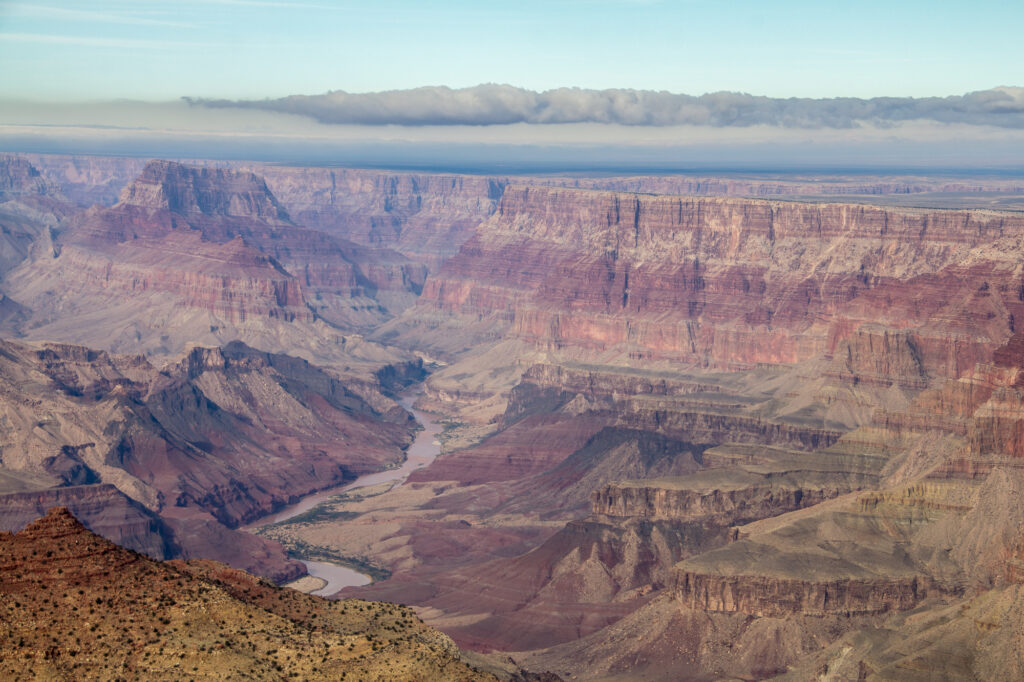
489	105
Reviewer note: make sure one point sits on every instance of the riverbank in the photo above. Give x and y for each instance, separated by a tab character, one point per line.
423	450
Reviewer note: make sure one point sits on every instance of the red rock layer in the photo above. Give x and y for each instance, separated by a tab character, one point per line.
220	241
780	597
733	283
719	507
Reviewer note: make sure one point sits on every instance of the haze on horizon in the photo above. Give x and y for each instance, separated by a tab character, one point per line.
623	83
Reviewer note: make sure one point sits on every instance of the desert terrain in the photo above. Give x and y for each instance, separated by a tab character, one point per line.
680	426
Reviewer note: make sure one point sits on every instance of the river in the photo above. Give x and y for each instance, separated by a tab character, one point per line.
421	453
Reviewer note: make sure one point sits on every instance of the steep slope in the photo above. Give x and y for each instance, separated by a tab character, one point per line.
77	606
216	439
30	207
425	217
208	255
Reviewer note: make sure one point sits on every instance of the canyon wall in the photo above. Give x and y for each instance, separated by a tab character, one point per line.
216	439
425	217
206	255
732	283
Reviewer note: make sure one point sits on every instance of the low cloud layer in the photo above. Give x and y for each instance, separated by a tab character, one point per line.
486	105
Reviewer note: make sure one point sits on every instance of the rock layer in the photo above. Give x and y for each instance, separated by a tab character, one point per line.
219	438
732	283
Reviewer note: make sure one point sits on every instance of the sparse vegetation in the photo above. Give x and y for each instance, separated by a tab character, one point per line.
198	619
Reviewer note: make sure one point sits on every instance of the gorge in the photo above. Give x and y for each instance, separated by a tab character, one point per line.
687	427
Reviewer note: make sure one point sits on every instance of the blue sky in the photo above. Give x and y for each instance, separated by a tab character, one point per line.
162	50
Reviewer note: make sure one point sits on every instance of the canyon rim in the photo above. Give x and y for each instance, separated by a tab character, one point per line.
564	341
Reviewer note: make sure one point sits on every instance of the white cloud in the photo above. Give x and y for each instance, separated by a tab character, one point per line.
491	104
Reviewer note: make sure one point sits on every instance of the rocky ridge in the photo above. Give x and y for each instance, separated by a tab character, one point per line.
214	440
78	606
207	255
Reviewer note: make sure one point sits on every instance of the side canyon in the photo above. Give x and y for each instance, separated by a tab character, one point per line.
694	427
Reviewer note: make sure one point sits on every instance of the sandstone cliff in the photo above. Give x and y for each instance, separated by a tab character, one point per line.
732	283
209	255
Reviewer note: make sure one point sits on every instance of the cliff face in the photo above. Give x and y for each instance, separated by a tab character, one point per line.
30	207
169	186
19	177
217	439
198	254
716	506
225	206
778	598
102	508
425	217
732	283
87	180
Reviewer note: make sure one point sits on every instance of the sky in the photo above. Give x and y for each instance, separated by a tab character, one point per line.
159	49
96	73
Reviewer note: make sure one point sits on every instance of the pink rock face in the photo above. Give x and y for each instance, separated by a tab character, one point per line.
220	242
731	283
19	177
217	439
425	217
169	186
778	598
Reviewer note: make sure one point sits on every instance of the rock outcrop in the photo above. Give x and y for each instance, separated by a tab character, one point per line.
217	439
197	254
18	177
102	508
683	500
78	606
732	283
780	597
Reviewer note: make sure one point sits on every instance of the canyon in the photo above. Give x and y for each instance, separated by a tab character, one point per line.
693	427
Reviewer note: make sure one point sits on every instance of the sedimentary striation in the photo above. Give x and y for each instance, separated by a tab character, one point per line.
202	445
688	437
203	254
732	283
